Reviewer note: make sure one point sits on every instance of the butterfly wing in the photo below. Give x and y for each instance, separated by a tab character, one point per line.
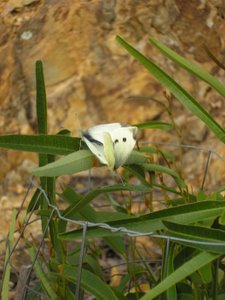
97	131
95	146
99	141
124	140
109	150
111	143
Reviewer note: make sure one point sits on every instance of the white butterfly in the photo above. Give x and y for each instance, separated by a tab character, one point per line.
111	143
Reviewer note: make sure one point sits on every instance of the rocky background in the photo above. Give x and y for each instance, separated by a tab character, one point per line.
91	79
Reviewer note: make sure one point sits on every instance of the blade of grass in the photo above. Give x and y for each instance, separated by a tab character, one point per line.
168	268
6	275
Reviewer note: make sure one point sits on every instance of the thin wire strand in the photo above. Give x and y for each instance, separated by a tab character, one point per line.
166	257
36	293
79	273
197	148
39	247
206	170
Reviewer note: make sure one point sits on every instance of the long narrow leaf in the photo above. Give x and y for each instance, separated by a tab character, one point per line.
41	105
73	163
184	214
190	67
41	113
155	125
168	268
42	128
202	238
182	272
48	144
179	92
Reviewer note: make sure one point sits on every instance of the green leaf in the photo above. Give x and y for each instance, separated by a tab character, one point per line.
155	125
48	184
213	240
179	274
168	268
90	283
179	92
183	214
48	144
73	163
41	113
189	66
41	104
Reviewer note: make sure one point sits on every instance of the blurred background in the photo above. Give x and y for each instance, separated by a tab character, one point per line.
91	79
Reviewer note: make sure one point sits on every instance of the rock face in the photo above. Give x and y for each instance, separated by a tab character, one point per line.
91	79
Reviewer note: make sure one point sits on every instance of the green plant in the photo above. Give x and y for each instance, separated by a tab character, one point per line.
192	242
